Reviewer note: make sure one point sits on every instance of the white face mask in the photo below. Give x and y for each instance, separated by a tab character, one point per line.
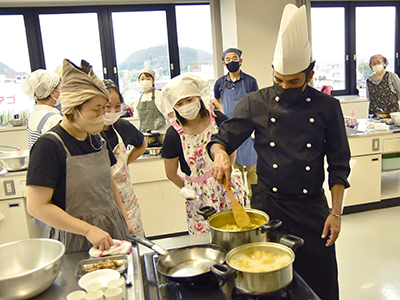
58	100
92	126
146	85
189	111
377	68
111	118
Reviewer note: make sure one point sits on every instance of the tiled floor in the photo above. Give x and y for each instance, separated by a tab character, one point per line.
368	254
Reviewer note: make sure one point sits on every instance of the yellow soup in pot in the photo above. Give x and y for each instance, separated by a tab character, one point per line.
254	223
259	261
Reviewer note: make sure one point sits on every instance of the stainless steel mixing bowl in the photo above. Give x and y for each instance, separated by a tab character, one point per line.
29	267
14	160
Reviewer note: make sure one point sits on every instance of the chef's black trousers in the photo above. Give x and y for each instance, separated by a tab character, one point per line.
304	216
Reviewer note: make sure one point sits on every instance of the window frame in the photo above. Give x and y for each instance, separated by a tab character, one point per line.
350	38
110	68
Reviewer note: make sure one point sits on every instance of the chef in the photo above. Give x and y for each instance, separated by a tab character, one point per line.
295	127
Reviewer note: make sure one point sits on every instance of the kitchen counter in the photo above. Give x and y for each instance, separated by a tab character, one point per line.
66	281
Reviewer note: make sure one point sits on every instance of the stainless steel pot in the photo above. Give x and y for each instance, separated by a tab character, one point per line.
231	239
191	264
261	282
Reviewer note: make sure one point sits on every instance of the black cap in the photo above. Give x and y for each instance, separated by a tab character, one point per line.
110	84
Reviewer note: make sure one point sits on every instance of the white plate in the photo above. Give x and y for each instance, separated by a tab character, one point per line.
103	276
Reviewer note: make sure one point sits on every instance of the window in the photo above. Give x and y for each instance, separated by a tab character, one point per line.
371	40
345	35
116	40
144	47
195	40
328	26
14	66
74	36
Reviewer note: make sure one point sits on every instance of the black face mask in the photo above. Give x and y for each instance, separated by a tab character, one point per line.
290	94
233	66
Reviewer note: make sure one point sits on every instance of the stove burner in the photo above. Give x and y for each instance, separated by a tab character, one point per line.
279	295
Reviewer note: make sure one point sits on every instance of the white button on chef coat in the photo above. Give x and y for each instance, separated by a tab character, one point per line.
272	144
277	99
308	168
273	120
305	191
308	145
308	99
275	166
312	120
274	189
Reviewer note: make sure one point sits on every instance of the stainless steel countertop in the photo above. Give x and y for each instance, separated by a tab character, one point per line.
66	281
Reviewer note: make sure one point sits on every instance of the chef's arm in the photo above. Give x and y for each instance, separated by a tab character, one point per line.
39	206
137	152
218	104
333	221
233	157
221	167
171	170
120	204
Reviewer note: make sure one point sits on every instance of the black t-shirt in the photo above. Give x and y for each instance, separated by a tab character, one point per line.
129	133
172	146
47	161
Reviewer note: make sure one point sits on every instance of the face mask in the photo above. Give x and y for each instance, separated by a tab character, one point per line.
233	66
146	85
189	111
111	118
58	100
92	126
377	68
288	94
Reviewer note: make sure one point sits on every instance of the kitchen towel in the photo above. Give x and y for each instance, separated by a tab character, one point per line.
119	247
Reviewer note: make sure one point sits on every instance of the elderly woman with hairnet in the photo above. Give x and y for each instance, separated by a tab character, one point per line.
43	86
69	183
185	144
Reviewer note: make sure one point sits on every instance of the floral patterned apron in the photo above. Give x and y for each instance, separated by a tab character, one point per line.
208	190
122	178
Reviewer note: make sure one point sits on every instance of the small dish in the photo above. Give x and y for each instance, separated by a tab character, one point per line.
103	276
87	264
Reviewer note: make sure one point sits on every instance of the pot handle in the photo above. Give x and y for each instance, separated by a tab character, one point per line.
206	211
271	225
222	271
148	243
292	241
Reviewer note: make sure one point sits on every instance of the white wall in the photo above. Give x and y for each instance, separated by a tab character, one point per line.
257	23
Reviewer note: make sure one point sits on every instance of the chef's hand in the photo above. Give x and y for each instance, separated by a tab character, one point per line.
332	226
221	167
99	238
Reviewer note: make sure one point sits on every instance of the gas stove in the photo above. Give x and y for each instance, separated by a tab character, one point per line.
157	287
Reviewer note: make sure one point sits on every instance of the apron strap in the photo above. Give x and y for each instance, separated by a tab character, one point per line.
199	179
212	113
60	139
176	126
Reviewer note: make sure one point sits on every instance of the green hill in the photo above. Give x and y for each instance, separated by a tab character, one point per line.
158	58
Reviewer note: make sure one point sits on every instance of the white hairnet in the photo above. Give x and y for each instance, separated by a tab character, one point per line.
186	85
40	83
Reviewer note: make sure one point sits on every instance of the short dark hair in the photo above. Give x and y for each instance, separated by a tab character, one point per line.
203	113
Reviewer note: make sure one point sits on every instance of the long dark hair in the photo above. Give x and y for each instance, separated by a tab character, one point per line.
203	113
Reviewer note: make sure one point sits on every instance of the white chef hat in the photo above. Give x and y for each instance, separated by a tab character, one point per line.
40	83
293	52
186	85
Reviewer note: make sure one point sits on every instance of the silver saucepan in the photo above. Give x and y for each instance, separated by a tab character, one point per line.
189	264
261	268
224	233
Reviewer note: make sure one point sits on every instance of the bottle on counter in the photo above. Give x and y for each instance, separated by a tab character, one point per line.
353	119
370	124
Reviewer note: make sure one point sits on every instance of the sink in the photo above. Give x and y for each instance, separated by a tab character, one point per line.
352	131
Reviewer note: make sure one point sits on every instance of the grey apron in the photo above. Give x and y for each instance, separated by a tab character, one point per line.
149	115
89	197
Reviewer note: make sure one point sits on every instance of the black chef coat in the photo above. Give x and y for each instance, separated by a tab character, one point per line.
291	140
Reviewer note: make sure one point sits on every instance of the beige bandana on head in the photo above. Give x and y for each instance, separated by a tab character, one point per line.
80	84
